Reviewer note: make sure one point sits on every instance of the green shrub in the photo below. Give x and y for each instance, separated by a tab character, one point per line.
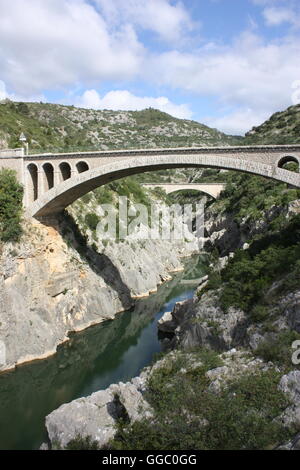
82	443
91	219
249	275
11	196
188	416
278	348
259	313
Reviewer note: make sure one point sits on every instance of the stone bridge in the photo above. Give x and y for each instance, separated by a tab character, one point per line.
212	189
53	181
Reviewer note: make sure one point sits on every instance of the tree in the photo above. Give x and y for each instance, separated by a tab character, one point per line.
11	196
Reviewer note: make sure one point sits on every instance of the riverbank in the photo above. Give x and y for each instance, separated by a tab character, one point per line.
243	319
113	351
51	286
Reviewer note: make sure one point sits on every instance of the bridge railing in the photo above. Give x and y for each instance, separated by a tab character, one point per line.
6	153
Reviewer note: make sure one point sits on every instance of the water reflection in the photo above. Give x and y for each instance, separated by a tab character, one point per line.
113	351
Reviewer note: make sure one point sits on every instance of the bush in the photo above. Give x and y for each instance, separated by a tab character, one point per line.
11	196
278	348
92	220
82	443
259	313
249	275
188	416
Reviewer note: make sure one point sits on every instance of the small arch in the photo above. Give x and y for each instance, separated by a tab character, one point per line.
82	167
33	182
192	192
288	159
48	176
65	171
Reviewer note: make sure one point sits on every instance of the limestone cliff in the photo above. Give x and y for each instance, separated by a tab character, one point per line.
48	289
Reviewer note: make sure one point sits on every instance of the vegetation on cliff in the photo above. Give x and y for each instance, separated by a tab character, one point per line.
282	128
190	415
58	128
273	256
11	196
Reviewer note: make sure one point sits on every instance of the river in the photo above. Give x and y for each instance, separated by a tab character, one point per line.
107	353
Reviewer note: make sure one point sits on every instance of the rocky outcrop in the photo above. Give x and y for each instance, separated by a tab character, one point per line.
48	289
290	384
96	416
203	323
226	234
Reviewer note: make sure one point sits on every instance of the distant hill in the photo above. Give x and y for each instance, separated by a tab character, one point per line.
53	127
282	128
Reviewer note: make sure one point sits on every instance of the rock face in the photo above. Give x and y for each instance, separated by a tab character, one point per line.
223	232
47	289
290	384
203	323
97	415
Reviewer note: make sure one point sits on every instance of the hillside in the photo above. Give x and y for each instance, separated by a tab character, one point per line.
53	127
282	128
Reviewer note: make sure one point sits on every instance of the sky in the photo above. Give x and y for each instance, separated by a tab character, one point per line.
227	63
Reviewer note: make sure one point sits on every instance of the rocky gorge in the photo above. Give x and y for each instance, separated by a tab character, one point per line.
226	379
238	341
48	289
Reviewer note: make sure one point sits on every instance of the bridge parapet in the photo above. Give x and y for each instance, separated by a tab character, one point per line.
12	153
53	181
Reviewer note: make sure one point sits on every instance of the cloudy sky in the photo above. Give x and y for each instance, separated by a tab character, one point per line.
227	63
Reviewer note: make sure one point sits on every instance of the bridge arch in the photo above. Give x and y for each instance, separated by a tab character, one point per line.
207	192
65	171
288	159
59	197
82	166
48	176
32	182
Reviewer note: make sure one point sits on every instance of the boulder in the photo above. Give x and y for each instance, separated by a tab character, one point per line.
96	416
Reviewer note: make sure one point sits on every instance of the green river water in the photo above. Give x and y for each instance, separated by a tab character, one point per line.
110	352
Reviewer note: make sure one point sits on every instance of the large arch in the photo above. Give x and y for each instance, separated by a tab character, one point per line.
207	193
48	173
55	200
288	159
65	171
32	181
82	167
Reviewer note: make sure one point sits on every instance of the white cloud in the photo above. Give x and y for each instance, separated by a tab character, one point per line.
55	43
249	74
238	122
64	44
276	16
3	92
170	21
14	97
124	100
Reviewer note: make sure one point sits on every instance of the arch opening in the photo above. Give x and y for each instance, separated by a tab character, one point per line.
33	182
290	163
65	171
190	193
82	167
48	176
